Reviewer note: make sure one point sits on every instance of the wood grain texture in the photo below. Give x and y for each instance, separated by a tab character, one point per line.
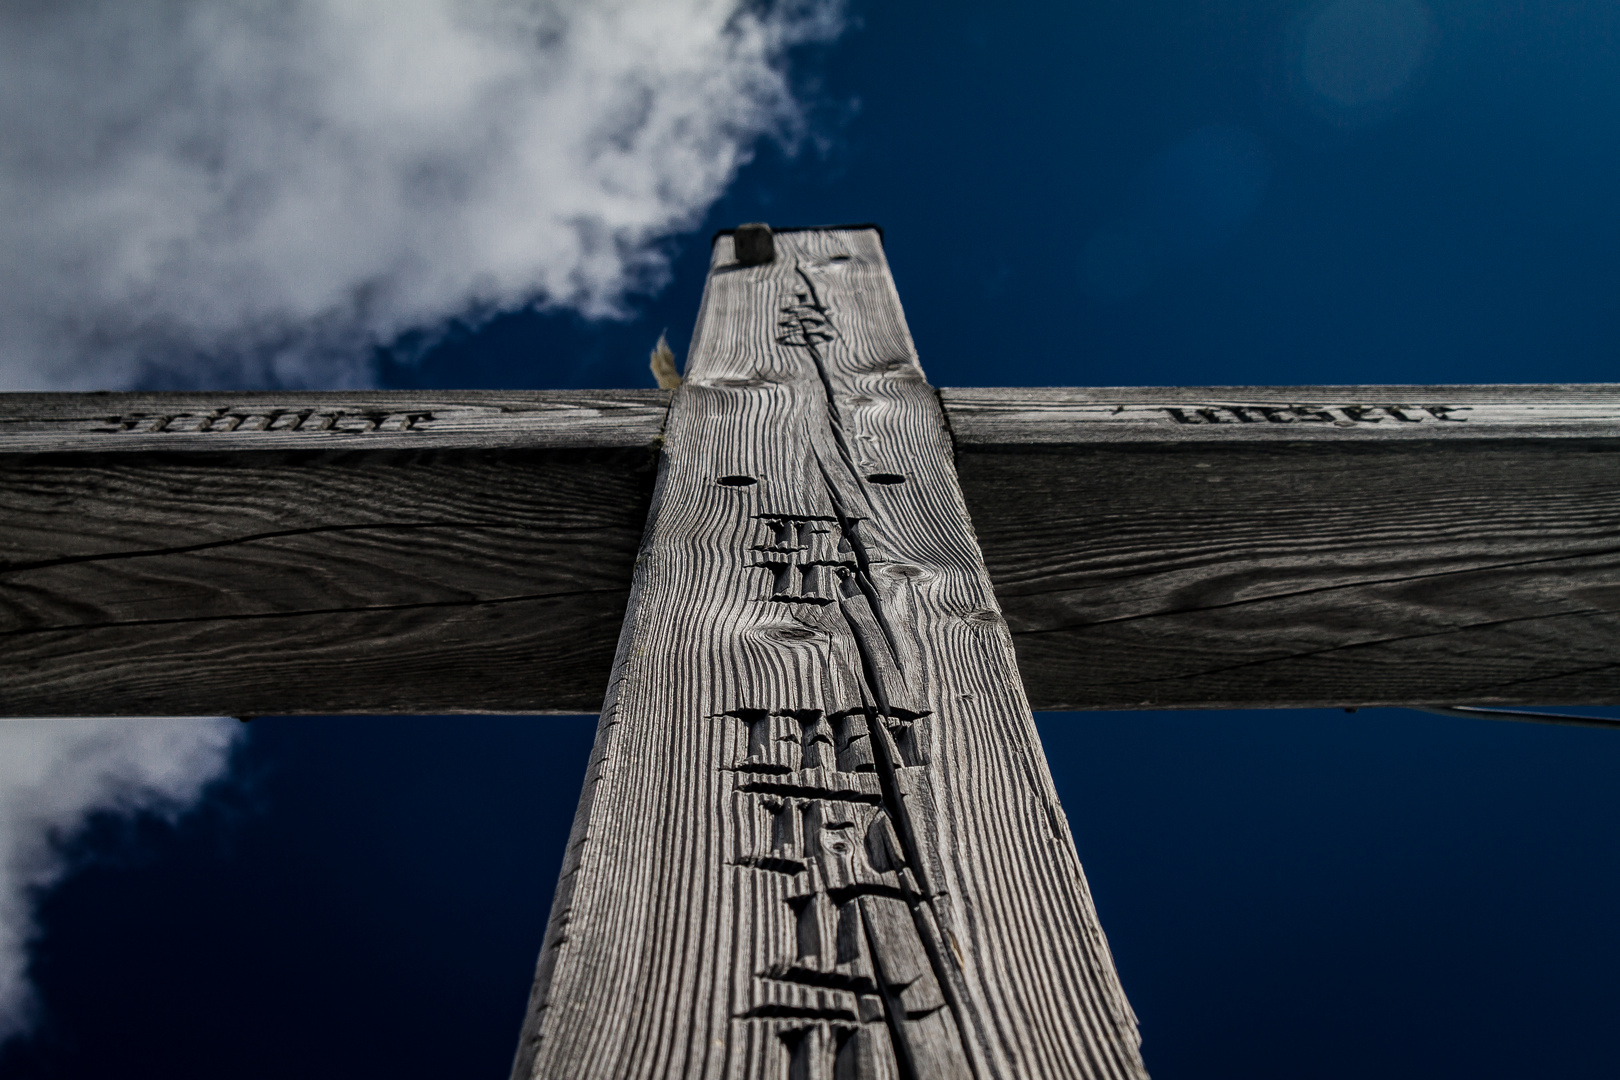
984	419
818	838
249	573
358	420
1148	561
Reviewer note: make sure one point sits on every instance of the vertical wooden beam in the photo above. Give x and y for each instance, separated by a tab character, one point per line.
818	837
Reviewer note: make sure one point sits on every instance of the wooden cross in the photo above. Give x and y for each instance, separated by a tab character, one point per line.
817	837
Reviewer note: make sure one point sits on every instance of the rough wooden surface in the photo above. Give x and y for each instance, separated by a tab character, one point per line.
317	568
359	420
818	838
404	551
988	419
1277	546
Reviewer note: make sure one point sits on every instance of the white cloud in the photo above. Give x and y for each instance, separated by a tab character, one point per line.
54	774
230	193
211	192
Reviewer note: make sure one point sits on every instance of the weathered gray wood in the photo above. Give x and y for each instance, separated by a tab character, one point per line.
473	555
818	837
1150	546
1294	546
370	420
989	419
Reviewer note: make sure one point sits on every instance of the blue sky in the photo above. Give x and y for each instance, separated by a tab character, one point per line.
1141	193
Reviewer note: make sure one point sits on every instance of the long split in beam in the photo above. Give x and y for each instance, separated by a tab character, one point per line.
818	837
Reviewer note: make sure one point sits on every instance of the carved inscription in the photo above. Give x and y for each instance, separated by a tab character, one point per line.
1341	415
858	974
836	813
854	984
804	321
805	557
346	421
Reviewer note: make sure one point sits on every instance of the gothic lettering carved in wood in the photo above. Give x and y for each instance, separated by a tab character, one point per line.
818	838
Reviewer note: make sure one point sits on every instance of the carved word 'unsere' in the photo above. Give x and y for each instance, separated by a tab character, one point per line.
1342	415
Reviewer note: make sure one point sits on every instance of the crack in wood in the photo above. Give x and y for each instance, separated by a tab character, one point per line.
1359	583
885	937
853	873
307	612
1564	674
254	538
1391	640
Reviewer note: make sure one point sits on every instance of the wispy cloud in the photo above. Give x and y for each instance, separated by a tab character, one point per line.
224	193
56	774
227	193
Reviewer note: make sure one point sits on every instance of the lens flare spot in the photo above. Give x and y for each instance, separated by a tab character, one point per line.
1361	53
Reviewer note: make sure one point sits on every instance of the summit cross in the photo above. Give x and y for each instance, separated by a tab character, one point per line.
817	838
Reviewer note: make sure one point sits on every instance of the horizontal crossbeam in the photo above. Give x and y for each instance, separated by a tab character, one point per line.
1295	546
321	553
471	552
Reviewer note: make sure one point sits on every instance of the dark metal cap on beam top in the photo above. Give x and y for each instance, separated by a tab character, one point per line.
753	244
718	233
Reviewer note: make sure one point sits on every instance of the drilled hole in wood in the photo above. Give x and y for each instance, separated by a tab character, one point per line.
886	478
736	481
